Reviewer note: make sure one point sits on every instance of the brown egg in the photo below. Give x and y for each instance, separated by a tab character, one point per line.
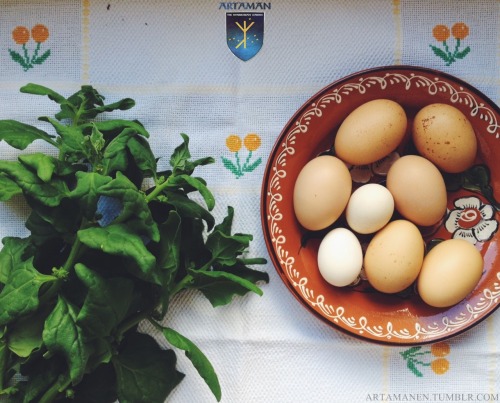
445	136
418	189
371	132
394	256
321	192
450	271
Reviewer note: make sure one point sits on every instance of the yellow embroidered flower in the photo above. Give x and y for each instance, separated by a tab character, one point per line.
441	349
252	141
40	33
233	143
441	33
440	366
21	35
460	30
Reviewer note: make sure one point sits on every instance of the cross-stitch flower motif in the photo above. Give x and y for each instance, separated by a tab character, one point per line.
472	220
441	33
21	36
234	144
434	357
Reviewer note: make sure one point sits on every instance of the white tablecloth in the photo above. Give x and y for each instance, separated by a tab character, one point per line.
173	58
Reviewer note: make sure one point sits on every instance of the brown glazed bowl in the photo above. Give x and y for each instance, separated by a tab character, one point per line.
359	310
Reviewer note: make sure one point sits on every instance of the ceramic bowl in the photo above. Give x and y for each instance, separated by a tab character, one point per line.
472	214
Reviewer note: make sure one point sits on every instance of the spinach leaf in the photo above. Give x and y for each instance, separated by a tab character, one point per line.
20	135
19	297
145	372
199	360
62	334
119	240
106	304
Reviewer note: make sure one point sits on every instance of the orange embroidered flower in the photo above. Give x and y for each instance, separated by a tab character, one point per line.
240	166
252	141
441	33
233	143
40	33
460	30
441	349
21	35
440	366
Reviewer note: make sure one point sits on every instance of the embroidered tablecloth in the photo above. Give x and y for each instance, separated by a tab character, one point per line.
188	73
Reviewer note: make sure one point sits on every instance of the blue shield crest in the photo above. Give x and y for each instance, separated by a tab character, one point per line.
245	34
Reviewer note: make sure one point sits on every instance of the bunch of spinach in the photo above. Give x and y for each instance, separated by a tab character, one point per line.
73	292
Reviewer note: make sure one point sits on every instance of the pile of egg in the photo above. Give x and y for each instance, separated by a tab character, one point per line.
395	257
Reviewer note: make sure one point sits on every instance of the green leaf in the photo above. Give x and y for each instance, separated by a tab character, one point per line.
106	304
41	90
115	156
14	252
99	386
20	135
50	193
8	188
72	142
115	126
119	240
43	164
145	372
20	295
26	335
181	180
61	334
189	208
134	205
86	191
168	254
225	276
143	156
225	248
221	289
180	158
199	360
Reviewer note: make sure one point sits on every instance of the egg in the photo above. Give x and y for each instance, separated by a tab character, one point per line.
450	271
371	132
370	208
321	192
418	189
340	257
445	136
394	257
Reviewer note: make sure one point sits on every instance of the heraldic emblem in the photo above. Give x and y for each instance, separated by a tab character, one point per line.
245	34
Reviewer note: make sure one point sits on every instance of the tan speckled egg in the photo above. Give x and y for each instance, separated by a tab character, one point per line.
445	136
321	192
394	256
371	132
450	271
418	189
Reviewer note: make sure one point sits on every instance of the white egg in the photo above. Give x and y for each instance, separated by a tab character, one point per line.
340	257
369	209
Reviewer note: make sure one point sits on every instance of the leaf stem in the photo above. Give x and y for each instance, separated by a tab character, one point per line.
158	189
4	358
58	386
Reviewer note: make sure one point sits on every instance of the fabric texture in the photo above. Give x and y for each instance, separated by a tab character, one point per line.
172	57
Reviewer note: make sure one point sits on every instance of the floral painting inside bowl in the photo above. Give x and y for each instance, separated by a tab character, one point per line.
472	210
